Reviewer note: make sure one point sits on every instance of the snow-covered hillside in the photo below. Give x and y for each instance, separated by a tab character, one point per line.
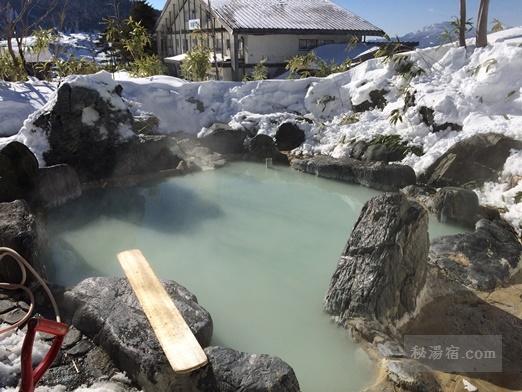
432	35
478	89
78	45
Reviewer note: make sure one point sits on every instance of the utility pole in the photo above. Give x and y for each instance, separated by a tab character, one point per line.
482	24
462	28
213	21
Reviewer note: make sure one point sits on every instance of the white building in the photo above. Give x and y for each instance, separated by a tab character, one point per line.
244	32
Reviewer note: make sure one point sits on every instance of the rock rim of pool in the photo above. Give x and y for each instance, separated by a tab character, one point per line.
107	311
377	175
387	285
391	231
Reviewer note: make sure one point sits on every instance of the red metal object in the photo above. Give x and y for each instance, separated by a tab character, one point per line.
30	376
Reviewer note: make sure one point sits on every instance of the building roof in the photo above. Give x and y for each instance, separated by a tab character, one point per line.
290	16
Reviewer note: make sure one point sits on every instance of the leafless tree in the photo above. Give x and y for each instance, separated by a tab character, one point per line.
482	24
18	25
462	27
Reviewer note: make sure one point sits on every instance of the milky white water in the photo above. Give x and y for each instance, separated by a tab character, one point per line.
257	246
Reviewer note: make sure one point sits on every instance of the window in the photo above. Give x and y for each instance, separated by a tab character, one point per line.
326	42
307	44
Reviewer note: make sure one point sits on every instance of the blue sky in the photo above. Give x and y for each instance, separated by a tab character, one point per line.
404	16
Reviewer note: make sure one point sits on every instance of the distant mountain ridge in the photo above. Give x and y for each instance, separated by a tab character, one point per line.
432	35
80	15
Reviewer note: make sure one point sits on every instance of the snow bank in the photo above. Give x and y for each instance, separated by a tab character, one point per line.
19	100
10	350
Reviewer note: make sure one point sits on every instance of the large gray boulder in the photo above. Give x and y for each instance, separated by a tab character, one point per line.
18	231
483	259
91	130
222	139
377	175
56	185
289	136
472	161
384	264
84	128
261	147
237	371
18	171
457	205
375	151
145	154
106	310
18	165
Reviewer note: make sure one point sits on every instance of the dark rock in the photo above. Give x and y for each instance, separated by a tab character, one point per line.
490	212
480	260
146	124
146	154
18	231
383	153
18	165
289	136
409	99
358	149
6	305
84	129
237	371
384	265
10	191
427	115
72	338
421	194
377	175
95	370
377	100
412	376
472	161
457	205
107	310
197	157
261	147
200	106
222	139
13	316
56	185
80	348
445	126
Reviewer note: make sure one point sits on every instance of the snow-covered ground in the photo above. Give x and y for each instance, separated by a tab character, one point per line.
79	45
480	89
10	351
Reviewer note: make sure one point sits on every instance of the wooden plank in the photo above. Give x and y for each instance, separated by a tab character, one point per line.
174	335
